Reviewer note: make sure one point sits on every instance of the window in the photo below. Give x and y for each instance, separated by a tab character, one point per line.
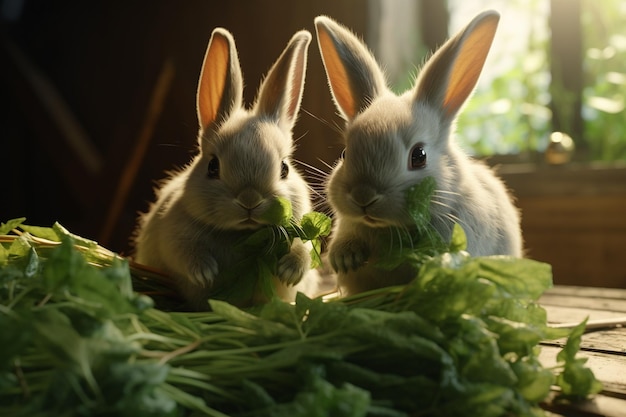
604	93
509	112
532	83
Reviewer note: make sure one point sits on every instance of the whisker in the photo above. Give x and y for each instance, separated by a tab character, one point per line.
407	233
316	184
400	240
323	207
390	248
441	204
446	192
315	174
296	140
326	164
317	193
313	168
333	126
284	233
440	197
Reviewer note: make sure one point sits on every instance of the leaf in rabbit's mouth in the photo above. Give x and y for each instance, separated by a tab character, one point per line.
417	241
278	212
418	198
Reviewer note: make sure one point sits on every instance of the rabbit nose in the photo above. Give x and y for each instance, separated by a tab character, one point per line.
364	197
249	199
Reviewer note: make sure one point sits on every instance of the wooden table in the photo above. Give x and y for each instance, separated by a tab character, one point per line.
604	344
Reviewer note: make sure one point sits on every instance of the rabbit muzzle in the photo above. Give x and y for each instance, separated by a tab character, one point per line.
250	204
365	200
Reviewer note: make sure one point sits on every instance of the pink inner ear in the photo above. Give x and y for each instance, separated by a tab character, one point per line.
337	76
213	79
468	65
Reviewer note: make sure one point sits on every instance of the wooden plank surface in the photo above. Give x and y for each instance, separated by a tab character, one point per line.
587	292
604	347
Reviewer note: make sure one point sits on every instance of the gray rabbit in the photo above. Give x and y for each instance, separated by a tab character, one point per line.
243	165
392	142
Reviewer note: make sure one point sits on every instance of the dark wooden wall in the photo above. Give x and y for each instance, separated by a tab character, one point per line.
125	74
574	218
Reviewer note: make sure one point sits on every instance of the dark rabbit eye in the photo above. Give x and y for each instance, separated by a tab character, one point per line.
418	157
213	171
284	170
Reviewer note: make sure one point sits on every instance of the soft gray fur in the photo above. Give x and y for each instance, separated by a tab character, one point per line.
367	189
190	231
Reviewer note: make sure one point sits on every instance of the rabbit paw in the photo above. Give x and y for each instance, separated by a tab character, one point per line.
348	256
203	271
293	265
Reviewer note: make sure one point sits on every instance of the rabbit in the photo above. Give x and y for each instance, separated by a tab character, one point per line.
243	165
392	142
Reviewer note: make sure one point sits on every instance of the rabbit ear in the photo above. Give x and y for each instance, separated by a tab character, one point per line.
281	91
450	75
354	77
220	87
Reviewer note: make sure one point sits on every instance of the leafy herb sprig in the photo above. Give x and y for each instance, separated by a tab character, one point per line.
262	249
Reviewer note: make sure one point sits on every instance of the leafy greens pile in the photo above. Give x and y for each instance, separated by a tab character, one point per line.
462	339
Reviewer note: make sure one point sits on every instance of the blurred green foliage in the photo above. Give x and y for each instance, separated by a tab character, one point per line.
604	94
509	112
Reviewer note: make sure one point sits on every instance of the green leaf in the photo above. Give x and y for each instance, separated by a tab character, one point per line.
418	201
525	278
5	228
62	233
32	265
133	389
534	381
572	346
478	354
244	319
42	232
16	336
316	253
320	317
314	225
516	337
4	255
19	247
576	379
256	396
414	245
459	239
67	349
279	212
320	398
64	265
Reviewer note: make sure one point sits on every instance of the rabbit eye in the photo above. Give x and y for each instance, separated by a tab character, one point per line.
418	157
213	171
284	170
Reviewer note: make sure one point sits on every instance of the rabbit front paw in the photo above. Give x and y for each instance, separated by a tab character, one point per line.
348	255
203	271
292	266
